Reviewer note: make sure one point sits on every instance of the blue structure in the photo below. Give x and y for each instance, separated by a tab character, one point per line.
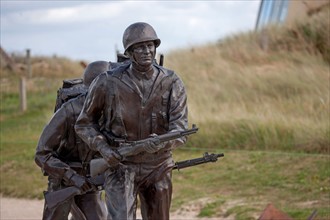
272	12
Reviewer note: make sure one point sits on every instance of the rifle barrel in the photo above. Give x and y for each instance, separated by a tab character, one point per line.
197	161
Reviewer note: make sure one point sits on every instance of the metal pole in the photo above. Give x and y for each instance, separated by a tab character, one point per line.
259	15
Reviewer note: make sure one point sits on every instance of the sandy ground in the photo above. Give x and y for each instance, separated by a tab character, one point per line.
20	209
24	209
17	209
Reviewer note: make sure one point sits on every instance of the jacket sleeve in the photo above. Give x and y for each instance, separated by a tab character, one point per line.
52	138
178	112
87	125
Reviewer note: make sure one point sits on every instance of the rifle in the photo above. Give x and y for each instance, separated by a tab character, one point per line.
100	165
161	60
53	199
132	148
197	161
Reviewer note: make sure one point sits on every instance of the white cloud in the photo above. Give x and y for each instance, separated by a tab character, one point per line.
86	12
92	29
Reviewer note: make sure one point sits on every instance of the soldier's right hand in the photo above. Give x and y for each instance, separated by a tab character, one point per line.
81	182
110	156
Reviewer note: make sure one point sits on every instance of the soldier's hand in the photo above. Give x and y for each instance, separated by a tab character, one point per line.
81	182
153	145
110	156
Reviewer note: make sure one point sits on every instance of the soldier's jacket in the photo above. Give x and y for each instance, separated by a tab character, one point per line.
129	115
59	148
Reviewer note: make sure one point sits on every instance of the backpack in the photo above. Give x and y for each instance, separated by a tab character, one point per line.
71	88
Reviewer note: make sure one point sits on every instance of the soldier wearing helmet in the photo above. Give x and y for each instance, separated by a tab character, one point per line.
134	101
64	158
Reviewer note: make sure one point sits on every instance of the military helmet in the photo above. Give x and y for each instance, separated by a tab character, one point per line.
93	70
139	32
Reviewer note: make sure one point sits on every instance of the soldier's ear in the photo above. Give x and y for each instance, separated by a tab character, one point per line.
129	52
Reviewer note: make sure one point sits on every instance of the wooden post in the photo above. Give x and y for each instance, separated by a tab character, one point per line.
22	93
28	63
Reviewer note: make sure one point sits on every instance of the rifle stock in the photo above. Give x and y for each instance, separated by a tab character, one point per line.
57	197
98	166
53	199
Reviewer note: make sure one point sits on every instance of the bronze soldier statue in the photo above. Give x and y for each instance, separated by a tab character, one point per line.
64	158
135	101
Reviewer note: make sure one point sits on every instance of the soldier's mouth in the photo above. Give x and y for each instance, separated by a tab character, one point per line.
146	58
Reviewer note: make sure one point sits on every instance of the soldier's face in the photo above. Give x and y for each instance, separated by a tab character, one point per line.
144	53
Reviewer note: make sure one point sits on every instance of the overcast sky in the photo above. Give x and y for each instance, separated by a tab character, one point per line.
92	30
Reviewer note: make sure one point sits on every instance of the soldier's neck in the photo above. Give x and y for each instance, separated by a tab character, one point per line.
142	69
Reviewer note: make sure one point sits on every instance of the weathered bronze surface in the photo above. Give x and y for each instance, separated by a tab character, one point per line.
64	158
130	103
